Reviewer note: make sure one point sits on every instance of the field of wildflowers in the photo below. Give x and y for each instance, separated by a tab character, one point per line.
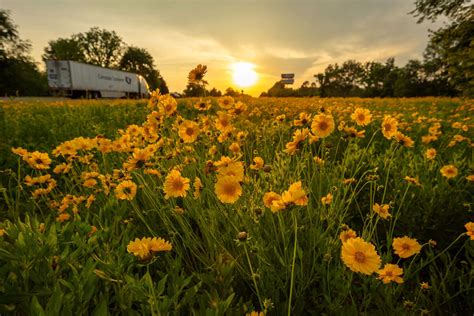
223	206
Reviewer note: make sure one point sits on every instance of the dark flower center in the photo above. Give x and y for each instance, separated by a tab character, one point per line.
359	257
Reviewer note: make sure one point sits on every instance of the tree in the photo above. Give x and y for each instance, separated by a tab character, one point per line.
140	61
437	73
8	31
321	81
350	78
137	60
19	74
231	92
101	47
193	90
11	45
379	79
307	90
97	47
433	9
451	48
162	86
215	93
345	80
327	80
64	49
21	78
410	82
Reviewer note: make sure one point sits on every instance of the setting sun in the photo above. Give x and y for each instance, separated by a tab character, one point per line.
244	74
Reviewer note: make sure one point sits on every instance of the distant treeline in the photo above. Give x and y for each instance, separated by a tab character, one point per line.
372	79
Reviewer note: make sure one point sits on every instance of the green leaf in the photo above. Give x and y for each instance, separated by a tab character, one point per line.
5	255
55	302
52	237
224	306
161	286
20	242
36	308
101	309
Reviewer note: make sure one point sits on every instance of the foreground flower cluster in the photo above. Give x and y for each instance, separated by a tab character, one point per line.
262	206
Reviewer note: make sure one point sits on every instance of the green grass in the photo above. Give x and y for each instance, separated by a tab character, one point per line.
42	125
290	262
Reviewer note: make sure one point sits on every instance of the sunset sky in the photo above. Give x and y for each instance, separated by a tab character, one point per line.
298	36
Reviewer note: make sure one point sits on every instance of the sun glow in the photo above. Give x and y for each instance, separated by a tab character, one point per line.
244	74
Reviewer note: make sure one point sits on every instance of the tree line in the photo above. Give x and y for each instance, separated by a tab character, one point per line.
371	79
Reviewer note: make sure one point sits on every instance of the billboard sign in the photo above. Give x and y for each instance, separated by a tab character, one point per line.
287	76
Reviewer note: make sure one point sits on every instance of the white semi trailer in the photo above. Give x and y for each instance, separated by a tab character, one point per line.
78	80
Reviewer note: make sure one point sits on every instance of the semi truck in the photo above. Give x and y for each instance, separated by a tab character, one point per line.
73	79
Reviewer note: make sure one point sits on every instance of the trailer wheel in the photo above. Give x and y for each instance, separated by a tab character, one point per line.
76	94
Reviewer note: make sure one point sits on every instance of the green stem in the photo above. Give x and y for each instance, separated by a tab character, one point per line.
18	188
150	281
253	277
388	173
293	265
140	216
392	229
442	252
